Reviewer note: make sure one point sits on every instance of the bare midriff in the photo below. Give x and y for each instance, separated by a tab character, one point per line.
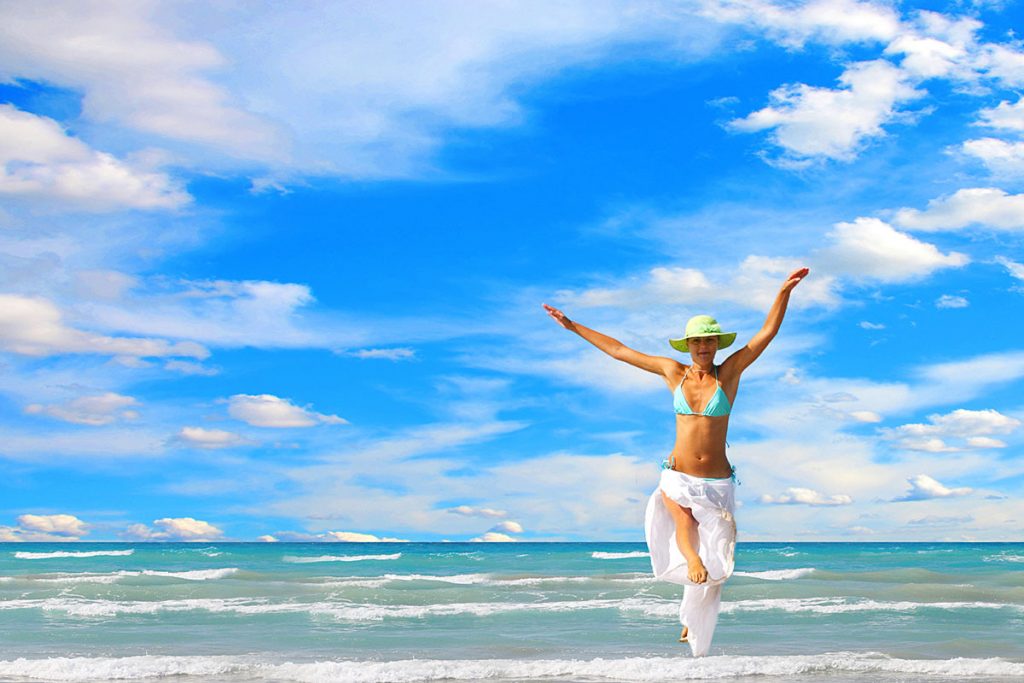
700	446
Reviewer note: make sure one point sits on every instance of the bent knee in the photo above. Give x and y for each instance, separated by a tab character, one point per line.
675	509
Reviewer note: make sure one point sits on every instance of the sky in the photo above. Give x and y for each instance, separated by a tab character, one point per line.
274	271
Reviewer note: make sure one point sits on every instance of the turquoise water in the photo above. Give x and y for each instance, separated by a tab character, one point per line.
511	612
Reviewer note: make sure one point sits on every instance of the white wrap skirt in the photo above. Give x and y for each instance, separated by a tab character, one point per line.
712	502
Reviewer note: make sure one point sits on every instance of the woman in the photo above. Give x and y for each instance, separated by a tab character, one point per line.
689	522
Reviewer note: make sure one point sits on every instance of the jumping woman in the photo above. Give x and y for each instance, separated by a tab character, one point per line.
689	524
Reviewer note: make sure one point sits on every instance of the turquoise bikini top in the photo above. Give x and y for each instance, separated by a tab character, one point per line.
718	406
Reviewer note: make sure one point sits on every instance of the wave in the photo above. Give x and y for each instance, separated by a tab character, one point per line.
482	579
339	558
362	612
778	574
1003	557
21	555
618	556
113	577
73	669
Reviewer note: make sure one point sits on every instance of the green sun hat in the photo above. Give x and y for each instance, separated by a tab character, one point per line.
703	326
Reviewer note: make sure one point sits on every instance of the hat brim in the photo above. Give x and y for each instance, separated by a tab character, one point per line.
725	340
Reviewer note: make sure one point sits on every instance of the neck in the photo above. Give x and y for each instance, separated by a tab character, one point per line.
706	370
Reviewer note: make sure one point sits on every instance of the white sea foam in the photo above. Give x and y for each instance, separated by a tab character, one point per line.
840	605
481	579
342	611
339	558
73	669
1003	557
778	574
598	555
21	555
113	577
361	612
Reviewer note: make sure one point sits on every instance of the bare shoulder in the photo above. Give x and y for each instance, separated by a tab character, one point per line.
730	370
674	371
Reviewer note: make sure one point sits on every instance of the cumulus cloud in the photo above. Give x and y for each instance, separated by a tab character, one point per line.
97	410
267	538
35	327
923	487
67	526
493	537
331	537
468	511
357	537
200	437
983	206
1004	116
866	416
951	301
754	284
38	159
1002	157
809	122
975	427
869	248
174	529
508	526
830	21
803	496
266	410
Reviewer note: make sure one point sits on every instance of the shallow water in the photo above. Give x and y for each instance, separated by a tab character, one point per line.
508	612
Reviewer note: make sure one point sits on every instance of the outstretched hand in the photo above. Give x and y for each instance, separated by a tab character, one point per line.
559	317
794	279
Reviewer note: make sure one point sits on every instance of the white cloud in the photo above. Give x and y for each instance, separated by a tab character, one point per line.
132	72
871	326
803	496
829	21
357	537
267	538
508	526
200	437
89	410
266	410
974	426
468	511
923	487
1004	116
951	301
34	327
1012	267
493	537
57	525
984	206
754	284
1003	63
332	88
1000	156
869	248
38	159
867	416
399	353
810	122
174	529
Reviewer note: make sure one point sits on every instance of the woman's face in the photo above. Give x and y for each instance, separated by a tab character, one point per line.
702	349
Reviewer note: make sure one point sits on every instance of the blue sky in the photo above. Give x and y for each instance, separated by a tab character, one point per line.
275	272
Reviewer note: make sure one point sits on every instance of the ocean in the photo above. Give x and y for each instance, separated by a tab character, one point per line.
241	612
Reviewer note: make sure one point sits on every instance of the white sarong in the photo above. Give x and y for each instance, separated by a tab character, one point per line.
712	502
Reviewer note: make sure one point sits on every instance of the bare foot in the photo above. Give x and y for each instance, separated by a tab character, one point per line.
684	635
696	571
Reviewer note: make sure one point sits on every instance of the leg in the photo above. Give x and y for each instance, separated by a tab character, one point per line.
687	539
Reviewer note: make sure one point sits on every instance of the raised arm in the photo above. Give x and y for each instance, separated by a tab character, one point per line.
741	360
659	365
